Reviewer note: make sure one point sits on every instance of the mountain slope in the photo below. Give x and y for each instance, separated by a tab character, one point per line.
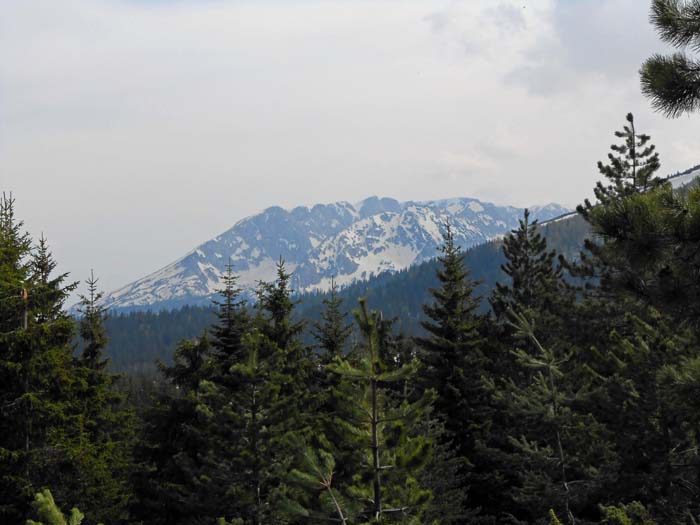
348	242
138	338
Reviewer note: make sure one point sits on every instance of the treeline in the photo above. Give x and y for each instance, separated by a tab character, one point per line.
573	399
138	339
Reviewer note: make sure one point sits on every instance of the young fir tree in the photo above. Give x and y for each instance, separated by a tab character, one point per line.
330	389
233	321
104	437
36	367
332	332
452	356
534	278
385	488
254	413
673	82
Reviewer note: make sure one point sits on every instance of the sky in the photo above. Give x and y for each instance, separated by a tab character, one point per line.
133	130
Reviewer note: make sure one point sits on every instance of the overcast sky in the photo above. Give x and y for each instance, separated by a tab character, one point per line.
133	130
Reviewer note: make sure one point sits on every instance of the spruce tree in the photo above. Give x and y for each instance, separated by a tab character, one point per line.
533	275
36	367
102	445
672	82
332	331
172	480
452	356
451	353
232	323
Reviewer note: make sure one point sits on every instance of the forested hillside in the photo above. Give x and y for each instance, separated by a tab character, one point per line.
564	388
572	399
138	339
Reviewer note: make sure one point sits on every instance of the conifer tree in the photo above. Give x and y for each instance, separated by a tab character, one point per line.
172	482
386	487
564	455
534	278
331	391
630	169
291	359
672	82
332	332
47	511
452	356
255	414
35	366
644	405
232	323
625	225
92	326
451	352
104	437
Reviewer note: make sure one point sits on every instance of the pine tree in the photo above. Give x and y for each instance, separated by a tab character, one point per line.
630	169
673	82
92	326
451	352
643	402
276	308
255	414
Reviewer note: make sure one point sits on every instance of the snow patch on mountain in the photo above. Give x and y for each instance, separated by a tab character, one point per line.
341	241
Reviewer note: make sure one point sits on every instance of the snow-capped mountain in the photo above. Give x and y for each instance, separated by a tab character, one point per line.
348	242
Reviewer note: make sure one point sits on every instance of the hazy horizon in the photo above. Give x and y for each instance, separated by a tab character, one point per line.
132	131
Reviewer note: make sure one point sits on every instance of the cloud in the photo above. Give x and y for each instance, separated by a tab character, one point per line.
130	131
598	40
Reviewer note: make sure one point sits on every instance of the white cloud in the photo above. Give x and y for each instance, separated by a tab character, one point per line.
132	130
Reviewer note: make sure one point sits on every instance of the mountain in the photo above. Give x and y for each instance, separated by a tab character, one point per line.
139	338
348	242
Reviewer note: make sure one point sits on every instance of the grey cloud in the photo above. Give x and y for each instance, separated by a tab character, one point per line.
608	39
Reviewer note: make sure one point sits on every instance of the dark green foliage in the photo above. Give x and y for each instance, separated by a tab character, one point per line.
138	339
630	169
564	455
453	358
102	447
332	331
672	82
382	426
533	278
171	481
35	367
575	401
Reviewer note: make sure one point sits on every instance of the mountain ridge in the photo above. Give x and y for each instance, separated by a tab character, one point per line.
341	240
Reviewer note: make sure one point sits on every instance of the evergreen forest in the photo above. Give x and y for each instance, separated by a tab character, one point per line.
549	378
